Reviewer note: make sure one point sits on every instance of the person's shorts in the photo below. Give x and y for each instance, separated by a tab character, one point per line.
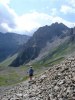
30	74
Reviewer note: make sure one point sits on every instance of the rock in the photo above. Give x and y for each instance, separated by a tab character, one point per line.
61	82
56	88
57	83
19	95
43	77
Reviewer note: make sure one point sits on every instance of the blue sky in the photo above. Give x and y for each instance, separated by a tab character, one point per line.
27	6
27	15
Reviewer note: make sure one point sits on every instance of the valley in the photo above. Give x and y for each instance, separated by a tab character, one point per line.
42	51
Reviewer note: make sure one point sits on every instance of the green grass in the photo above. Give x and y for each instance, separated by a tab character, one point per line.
8	60
58	54
8	79
12	75
54	62
11	79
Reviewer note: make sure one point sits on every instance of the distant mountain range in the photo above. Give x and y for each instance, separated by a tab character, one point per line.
11	43
40	40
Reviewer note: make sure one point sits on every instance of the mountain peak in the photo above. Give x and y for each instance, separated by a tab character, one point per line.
58	24
41	37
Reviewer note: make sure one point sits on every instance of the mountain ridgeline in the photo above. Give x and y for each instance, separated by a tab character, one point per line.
10	43
39	40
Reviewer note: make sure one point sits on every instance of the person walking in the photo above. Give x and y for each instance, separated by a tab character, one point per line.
31	71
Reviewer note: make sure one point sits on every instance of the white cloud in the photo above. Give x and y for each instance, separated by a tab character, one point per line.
7	17
34	20
6	27
71	2
61	20
53	11
5	1
67	9
10	21
31	21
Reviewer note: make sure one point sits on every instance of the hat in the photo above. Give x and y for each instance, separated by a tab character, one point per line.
30	66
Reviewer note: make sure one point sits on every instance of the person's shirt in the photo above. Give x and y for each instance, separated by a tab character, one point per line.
31	71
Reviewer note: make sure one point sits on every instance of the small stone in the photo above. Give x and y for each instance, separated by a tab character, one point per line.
60	99
61	82
25	95
58	83
56	88
43	77
19	95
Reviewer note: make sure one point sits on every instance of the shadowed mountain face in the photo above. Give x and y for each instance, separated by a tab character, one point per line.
38	41
10	43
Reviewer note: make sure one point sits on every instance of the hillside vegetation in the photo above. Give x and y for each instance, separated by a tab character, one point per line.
56	83
10	43
11	75
38	41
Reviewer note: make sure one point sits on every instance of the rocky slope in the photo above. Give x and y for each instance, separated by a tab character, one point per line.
43	36
57	83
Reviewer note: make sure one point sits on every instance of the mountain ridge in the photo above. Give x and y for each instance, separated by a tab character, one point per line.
10	43
38	41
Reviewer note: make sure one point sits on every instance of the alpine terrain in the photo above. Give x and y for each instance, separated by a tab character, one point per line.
51	53
56	83
10	43
44	39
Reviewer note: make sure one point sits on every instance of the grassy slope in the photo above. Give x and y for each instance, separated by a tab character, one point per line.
10	75
58	54
8	60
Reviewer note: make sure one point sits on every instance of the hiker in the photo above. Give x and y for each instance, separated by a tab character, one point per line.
31	71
